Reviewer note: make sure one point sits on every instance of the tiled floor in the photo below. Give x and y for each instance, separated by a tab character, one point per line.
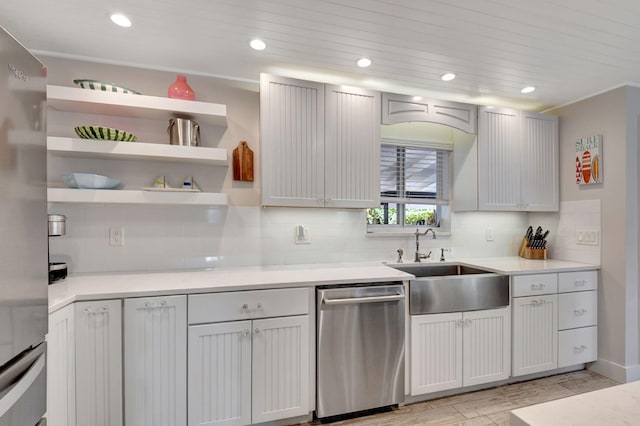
486	407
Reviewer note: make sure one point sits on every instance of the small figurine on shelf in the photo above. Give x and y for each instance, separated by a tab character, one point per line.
180	89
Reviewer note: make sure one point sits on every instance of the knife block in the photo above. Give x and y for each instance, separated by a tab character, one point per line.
529	253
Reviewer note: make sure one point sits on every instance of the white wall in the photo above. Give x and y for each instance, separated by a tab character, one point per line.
614	115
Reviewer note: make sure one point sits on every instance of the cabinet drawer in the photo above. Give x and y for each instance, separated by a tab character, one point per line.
531	285
578	309
240	305
577	281
577	346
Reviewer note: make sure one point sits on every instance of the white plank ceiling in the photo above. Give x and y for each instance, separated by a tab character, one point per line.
567	49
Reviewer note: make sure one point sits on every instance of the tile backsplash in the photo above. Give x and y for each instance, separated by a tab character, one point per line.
160	238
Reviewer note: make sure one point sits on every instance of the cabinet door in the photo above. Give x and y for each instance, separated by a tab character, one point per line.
535	334
220	374
155	362
436	352
487	346
540	164
292	142
280	368
61	368
98	335
352	147
499	153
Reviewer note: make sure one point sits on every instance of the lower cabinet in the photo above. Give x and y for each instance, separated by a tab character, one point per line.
245	372
155	361
535	334
249	359
84	374
459	349
554	321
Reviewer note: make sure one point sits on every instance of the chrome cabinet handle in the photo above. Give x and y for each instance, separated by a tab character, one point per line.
580	283
257	331
245	333
538	286
579	349
245	308
579	312
259	306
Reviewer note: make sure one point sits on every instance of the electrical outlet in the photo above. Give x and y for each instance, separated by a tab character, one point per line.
489	232
302	235
116	236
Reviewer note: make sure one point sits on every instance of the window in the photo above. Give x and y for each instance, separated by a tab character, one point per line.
414	186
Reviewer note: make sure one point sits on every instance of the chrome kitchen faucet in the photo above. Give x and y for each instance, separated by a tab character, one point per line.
419	256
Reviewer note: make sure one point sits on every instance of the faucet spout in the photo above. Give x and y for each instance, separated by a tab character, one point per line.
418	257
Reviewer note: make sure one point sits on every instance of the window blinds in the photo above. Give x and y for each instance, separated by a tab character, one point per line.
414	175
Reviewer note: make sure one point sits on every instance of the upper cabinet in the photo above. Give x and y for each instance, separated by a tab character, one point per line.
402	109
517	163
72	100
320	144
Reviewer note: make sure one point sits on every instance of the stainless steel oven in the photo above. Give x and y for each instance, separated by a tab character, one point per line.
360	350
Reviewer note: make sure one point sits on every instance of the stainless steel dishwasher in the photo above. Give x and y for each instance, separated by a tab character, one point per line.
360	348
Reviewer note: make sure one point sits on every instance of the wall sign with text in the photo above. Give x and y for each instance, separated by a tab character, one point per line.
589	160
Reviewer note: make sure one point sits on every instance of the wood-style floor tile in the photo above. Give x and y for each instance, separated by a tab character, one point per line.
485	407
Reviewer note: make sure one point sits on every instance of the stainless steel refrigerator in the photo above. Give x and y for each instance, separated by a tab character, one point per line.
23	235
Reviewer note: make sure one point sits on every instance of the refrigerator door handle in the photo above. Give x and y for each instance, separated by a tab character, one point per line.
23	384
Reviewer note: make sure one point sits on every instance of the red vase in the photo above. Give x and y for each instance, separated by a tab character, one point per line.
180	89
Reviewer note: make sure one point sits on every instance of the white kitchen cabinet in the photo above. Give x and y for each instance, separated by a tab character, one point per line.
453	350
220	374
436	352
320	144
249	356
578	318
535	334
155	361
84	373
280	368
61	368
518	162
487	346
117	105
402	109
554	320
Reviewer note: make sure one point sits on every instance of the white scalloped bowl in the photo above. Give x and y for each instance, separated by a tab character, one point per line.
89	181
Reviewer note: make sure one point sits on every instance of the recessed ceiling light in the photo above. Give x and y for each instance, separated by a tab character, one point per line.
363	62
257	44
528	89
448	76
121	20
417	98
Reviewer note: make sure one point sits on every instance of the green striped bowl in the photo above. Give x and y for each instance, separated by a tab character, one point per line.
104	87
104	133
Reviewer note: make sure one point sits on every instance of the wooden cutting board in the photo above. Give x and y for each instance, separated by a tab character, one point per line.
243	162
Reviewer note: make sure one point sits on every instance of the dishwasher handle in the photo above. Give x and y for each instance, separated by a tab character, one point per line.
356	300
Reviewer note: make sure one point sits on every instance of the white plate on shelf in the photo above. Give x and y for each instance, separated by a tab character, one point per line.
149	188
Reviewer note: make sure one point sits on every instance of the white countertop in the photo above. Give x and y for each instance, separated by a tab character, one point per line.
617	405
114	286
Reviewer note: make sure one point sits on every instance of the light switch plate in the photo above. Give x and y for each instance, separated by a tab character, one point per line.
588	237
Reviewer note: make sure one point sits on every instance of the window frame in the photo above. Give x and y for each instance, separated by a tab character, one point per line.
442	208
